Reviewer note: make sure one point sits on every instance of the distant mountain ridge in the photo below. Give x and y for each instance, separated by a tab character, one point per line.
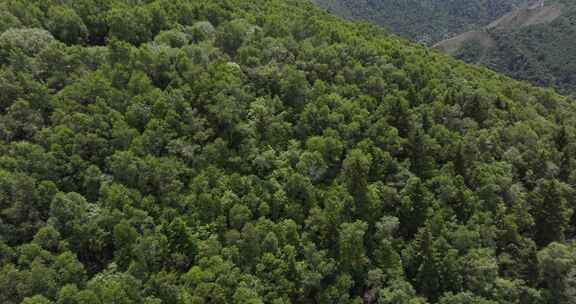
426	21
534	43
536	13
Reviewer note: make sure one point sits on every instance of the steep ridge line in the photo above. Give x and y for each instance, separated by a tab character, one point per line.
532	15
527	16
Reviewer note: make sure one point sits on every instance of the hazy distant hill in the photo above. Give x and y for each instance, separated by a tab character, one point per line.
423	20
535	44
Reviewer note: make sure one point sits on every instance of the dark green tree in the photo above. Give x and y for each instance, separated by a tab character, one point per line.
551	210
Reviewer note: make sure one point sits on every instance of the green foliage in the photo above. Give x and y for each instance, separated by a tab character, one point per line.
66	25
264	151
28	42
37	300
131	25
557	268
551	211
471	51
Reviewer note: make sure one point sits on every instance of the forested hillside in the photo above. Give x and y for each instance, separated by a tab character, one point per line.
426	21
536	45
264	151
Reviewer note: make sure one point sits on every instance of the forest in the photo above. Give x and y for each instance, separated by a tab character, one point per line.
265	151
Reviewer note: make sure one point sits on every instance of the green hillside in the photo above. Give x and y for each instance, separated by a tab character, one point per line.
536	45
265	151
425	21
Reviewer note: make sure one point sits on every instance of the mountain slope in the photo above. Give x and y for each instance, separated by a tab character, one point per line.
530	44
425	21
264	151
528	16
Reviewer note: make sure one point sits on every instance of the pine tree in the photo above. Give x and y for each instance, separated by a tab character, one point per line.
551	211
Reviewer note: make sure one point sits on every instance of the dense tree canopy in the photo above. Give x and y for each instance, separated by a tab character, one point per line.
263	151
